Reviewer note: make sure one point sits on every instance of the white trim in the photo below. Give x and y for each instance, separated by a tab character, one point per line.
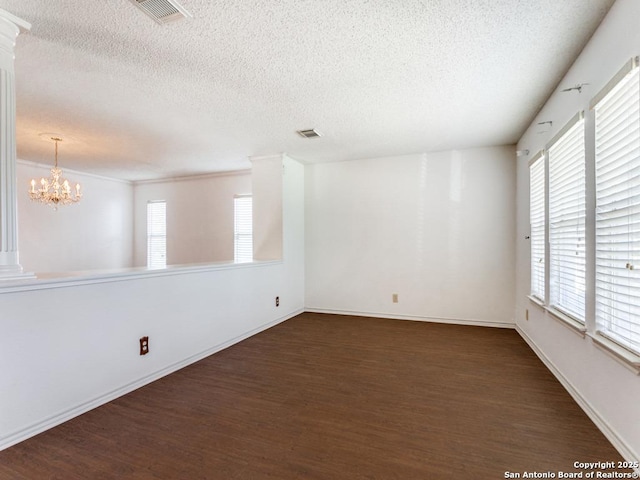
537	301
296	159
607	430
265	157
54	420
567	320
416	318
616	351
539	155
187	178
180	178
22	25
66	170
73	279
611	84
568	126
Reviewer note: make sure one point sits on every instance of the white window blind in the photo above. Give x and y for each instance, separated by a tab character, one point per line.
537	222
157	234
567	213
618	210
243	228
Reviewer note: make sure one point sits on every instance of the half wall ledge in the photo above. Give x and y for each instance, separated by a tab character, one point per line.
44	281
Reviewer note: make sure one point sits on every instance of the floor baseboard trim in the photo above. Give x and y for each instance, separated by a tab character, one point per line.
61	417
416	318
607	430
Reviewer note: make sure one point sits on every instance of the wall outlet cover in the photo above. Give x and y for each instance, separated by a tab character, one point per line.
144	345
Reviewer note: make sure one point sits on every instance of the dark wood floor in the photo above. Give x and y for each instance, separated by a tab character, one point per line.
331	397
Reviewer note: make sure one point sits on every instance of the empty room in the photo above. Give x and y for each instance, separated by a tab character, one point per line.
319	240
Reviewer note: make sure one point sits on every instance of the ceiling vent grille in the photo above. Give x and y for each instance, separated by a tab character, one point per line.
311	133
162	11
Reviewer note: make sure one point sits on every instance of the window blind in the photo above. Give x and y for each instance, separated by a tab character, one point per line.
243	228
157	234
537	222
618	210
567	213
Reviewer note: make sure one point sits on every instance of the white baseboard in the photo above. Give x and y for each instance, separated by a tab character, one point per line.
54	420
417	318
607	430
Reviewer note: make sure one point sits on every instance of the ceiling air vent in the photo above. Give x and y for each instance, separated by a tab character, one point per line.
309	133
162	11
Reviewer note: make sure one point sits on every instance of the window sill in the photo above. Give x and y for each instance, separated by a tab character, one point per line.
536	301
617	352
568	321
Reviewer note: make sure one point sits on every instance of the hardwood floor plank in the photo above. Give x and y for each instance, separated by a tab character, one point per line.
330	397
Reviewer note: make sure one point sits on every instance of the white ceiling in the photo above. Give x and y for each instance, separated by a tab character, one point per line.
136	100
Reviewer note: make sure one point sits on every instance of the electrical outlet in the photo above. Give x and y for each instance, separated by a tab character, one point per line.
144	345
277	301
394	298
526	314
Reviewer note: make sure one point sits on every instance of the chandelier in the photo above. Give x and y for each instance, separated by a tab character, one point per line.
55	190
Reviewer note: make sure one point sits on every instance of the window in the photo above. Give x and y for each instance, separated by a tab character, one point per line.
157	234
243	228
537	221
617	112
567	213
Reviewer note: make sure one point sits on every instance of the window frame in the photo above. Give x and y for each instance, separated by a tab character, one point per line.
566	216
243	228
156	234
537	226
615	283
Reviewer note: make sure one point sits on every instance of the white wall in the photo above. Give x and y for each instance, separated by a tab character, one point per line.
56	366
199	216
267	207
107	228
94	234
438	229
605	388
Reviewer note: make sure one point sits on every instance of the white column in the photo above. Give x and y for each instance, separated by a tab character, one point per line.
10	268
266	180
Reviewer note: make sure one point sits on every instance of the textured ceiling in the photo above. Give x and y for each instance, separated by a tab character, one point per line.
137	100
